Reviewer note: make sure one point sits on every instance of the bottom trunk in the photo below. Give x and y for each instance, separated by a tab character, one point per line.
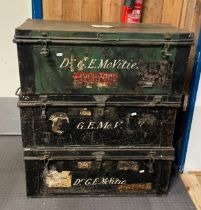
61	176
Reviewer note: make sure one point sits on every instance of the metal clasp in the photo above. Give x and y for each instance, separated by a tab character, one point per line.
46	163
102	100
44	50
157	99
43	111
99	156
151	162
99	159
43	106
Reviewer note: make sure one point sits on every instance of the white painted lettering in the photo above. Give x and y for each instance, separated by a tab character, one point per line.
117	124
88	182
115	64
80	125
111	181
91	64
117	181
78	182
103	64
98	125
119	65
104	181
81	64
72	61
99	181
91	124
128	66
95	182
124	64
97	63
64	63
133	66
109	65
123	182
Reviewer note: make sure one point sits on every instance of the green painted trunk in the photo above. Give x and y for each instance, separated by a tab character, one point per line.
81	58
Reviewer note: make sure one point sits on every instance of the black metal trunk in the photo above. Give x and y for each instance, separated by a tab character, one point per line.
99	172
115	122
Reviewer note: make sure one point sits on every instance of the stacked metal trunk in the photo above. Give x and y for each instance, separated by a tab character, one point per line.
98	106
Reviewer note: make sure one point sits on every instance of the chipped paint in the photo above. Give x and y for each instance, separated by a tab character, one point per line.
57	119
135	187
56	179
128	165
84	165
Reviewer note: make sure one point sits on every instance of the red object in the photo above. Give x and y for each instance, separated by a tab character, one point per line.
100	79
132	14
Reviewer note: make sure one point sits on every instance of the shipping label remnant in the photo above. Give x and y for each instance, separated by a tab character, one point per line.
100	79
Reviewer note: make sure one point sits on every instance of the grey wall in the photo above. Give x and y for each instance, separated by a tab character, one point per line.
9	116
12	15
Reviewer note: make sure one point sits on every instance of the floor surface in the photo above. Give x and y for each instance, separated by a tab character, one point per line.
13	192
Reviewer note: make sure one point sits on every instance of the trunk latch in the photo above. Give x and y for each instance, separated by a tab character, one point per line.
44	50
99	159
43	106
102	100
43	111
165	52
157	99
151	162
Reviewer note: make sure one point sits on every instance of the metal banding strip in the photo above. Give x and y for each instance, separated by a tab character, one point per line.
92	104
96	41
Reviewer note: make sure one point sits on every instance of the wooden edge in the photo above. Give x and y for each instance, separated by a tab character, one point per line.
193	187
197	173
183	13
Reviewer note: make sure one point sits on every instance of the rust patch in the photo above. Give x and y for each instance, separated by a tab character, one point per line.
57	119
84	165
135	187
56	179
85	112
128	165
